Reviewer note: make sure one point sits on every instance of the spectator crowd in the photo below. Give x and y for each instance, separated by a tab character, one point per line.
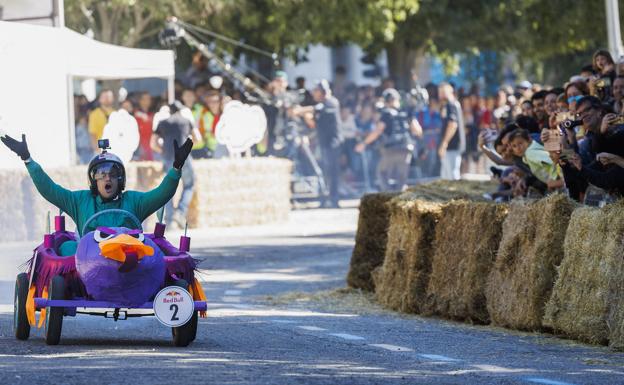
534	139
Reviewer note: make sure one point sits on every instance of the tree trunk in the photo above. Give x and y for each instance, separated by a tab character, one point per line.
402	61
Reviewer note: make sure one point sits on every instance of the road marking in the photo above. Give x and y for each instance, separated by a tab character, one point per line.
500	369
312	328
282	321
233	292
346	336
437	357
392	348
248	285
230	299
546	381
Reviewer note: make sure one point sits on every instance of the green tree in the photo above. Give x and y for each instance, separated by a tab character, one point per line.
543	35
132	22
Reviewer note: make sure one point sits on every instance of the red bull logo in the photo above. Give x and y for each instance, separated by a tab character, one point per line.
173	297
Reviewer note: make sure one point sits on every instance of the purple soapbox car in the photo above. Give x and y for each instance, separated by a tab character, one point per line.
113	272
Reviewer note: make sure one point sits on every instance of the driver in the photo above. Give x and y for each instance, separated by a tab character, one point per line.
107	180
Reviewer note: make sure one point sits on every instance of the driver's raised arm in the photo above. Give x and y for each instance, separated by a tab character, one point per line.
57	195
52	192
149	202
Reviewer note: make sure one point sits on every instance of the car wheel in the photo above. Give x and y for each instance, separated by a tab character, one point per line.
185	334
21	327
54	315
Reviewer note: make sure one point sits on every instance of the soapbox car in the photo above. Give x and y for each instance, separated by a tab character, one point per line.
113	272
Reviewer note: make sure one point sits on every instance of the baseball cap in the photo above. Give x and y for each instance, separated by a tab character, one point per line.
525	84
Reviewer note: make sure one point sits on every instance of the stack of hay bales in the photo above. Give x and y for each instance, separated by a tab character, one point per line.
13	208
370	240
466	241
228	192
401	282
586	297
524	273
144	176
244	191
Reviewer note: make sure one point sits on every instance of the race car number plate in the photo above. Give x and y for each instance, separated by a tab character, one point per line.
173	306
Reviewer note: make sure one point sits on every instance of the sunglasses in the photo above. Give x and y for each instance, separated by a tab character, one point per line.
575	98
106	170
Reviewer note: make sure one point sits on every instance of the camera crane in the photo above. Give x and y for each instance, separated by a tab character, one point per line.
175	32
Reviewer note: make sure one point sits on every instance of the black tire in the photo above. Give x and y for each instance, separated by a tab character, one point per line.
194	320
54	315
21	327
185	334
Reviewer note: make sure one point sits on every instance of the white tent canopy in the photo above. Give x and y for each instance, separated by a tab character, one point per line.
37	66
93	59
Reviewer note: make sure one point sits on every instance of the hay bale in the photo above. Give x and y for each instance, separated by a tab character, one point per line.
466	240
589	285
402	281
615	321
370	240
13	209
235	192
524	273
446	190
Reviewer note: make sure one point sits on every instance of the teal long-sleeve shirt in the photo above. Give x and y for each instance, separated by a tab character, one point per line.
82	204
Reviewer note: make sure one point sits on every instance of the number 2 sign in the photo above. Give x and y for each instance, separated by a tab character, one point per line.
173	306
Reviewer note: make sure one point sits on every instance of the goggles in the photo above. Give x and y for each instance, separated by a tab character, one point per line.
575	98
107	169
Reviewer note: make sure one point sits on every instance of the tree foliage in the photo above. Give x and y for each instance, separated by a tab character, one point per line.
131	22
537	30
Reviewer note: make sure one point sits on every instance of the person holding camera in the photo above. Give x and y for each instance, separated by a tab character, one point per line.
579	163
618	95
395	128
328	125
601	84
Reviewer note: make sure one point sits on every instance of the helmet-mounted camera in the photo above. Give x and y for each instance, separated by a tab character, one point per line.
104	144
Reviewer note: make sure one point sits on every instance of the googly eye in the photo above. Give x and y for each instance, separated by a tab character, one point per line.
139	236
101	236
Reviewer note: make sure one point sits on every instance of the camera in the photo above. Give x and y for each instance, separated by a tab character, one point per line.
570	124
489	135
603	82
563	116
104	144
617	121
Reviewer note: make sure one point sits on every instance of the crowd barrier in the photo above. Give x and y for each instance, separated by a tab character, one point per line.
536	265
228	192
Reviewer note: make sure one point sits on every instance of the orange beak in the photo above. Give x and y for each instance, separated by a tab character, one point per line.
125	249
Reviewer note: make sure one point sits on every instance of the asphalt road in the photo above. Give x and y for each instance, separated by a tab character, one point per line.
277	316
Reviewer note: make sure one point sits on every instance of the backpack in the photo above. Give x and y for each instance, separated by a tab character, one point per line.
397	135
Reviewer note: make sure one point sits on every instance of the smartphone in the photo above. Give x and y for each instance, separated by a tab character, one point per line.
566	153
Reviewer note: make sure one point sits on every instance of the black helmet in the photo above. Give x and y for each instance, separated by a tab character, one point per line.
106	158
